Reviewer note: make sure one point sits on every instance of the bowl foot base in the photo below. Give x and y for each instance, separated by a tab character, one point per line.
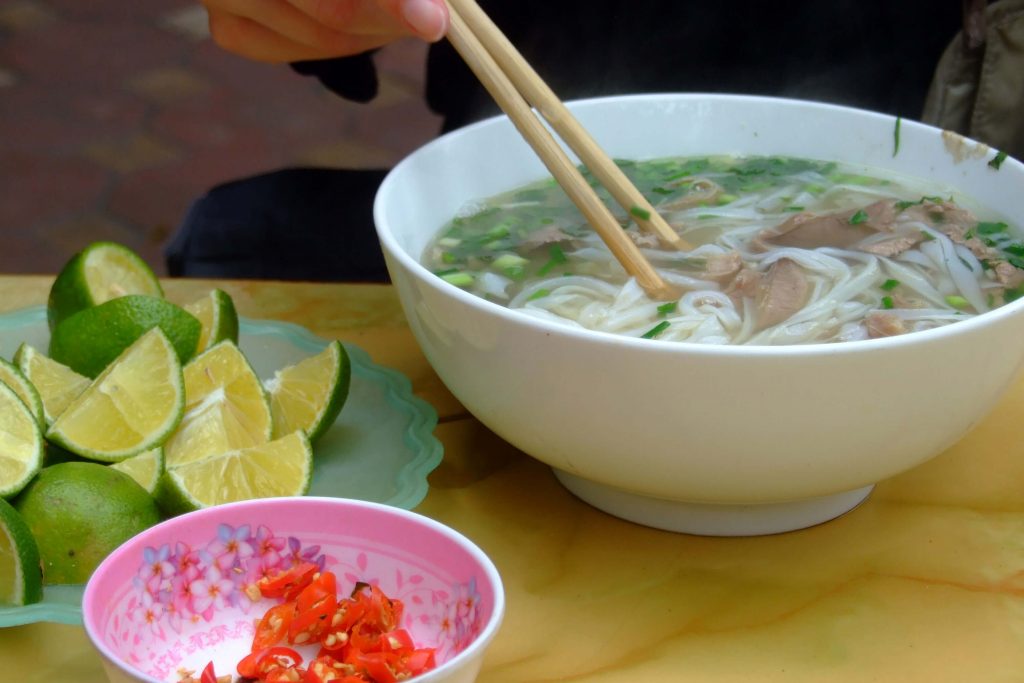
712	519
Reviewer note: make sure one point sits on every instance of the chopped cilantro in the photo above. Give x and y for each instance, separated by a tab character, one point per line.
989	228
1013	293
656	330
670	307
860	217
794	208
997	160
890	285
887	302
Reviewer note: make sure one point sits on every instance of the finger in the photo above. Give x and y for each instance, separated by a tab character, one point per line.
427	19
280	17
365	17
250	39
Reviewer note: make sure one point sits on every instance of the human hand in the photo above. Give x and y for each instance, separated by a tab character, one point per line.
298	30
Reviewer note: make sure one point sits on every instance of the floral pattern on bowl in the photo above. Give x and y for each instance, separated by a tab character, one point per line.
182	600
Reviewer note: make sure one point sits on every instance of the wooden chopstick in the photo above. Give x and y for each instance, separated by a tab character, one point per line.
537	92
511	101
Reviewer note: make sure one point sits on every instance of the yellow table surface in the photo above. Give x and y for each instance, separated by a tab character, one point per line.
923	582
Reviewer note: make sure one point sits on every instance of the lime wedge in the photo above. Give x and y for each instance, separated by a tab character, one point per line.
146	468
218	317
310	394
21	580
15	379
57	384
100	272
226	407
21	443
134	405
279	468
91	339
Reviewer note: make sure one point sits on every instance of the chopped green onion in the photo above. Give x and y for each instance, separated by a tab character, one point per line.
997	160
670	307
890	285
539	294
448	257
512	265
860	217
887	302
726	199
446	271
640	212
794	208
555	257
896	137
957	301
927	236
656	330
459	279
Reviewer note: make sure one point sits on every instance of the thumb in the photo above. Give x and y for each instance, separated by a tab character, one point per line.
428	19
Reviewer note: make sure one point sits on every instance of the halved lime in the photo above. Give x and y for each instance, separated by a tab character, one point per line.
91	339
15	379
279	468
100	272
21	443
21	580
134	405
310	394
57	384
226	407
146	468
218	317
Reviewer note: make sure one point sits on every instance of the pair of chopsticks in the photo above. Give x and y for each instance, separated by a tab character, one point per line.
517	89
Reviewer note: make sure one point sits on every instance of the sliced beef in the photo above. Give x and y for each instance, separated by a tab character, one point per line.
782	292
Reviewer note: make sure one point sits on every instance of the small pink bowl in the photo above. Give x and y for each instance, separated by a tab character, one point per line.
174	597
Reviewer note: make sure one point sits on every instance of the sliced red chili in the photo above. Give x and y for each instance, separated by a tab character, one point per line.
208	675
310	624
322	585
377	666
273	627
288	583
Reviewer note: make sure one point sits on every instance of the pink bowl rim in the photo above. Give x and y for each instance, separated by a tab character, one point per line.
488	568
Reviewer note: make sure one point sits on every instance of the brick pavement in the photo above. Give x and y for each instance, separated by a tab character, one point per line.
114	116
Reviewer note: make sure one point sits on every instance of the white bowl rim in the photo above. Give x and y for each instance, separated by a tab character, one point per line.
490	570
664	346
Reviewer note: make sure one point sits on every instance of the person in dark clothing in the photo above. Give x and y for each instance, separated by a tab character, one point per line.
877	55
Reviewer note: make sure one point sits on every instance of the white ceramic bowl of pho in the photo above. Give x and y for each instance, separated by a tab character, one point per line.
849	310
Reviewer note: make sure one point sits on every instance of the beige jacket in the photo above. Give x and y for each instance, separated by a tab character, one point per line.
978	88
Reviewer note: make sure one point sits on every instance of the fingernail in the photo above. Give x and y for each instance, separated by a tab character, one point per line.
426	18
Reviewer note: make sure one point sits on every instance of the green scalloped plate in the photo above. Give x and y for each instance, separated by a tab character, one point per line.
381	448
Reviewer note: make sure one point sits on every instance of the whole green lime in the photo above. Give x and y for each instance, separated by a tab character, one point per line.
88	341
78	513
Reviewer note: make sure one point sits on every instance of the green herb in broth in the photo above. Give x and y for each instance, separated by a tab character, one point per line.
531	248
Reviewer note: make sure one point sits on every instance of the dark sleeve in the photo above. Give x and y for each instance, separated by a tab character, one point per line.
354	78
